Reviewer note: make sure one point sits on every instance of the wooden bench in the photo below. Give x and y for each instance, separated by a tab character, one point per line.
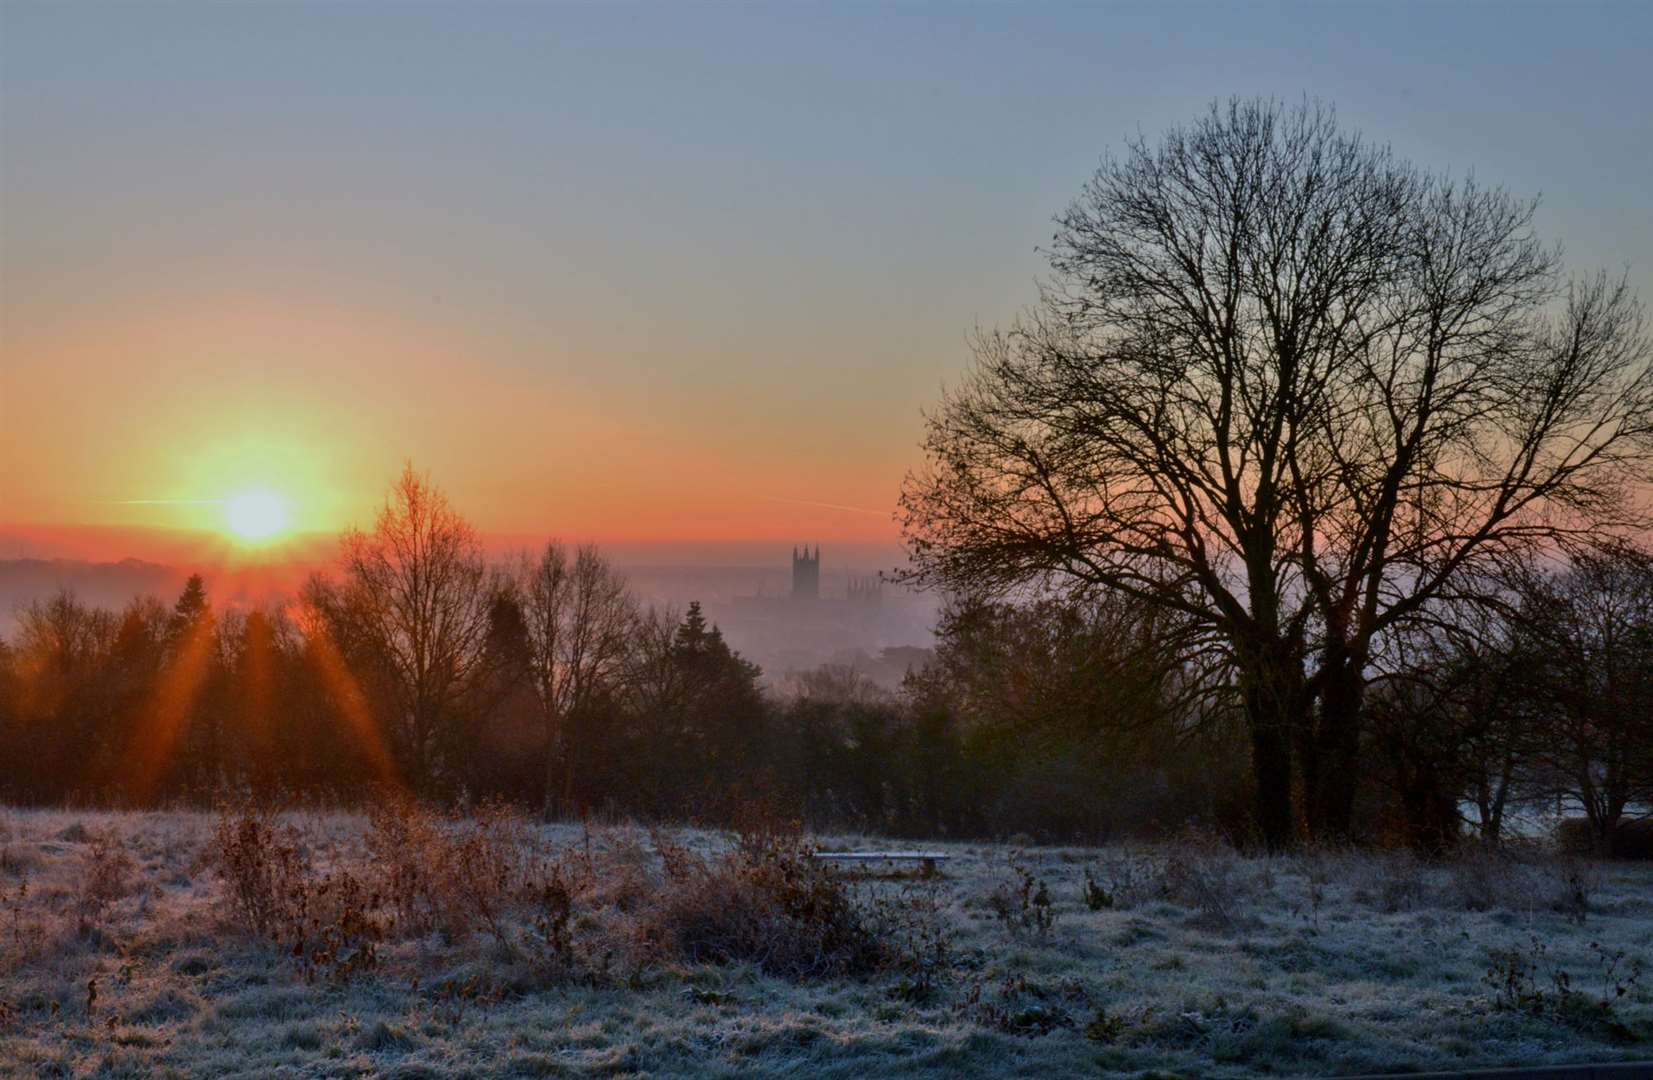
926	860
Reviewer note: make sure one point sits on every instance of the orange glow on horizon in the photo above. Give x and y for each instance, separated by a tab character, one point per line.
321	405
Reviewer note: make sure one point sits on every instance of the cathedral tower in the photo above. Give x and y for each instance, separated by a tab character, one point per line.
806	574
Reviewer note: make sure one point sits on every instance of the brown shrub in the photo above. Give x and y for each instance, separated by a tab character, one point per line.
767	902
324	922
23	937
262	867
1023	903
916	933
1122	879
400	838
623	881
568	914
553	914
452	877
105	876
1015	1005
1400	882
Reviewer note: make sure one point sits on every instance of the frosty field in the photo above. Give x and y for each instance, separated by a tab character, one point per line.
124	953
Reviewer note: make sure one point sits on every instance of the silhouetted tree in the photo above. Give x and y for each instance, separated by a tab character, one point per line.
177	749
416	590
579	620
505	749
698	717
62	697
1594	621
1293	388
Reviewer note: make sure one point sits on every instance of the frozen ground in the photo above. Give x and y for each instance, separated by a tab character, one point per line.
120	956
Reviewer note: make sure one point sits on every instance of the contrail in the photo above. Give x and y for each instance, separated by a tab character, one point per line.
826	505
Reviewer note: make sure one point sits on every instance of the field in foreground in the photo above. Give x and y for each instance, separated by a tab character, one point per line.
149	944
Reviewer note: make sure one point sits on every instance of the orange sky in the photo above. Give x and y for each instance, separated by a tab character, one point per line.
147	418
629	273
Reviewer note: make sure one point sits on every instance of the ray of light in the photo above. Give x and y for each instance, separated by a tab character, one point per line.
346	695
164	722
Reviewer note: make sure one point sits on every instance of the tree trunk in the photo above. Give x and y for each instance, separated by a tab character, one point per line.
419	776
1271	765
1272	684
549	810
1431	813
1329	802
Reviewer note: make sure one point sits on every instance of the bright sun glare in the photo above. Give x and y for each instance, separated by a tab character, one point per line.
255	515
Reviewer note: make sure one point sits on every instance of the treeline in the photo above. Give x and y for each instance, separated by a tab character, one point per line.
417	667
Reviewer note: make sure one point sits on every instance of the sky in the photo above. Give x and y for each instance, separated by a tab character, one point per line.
646	274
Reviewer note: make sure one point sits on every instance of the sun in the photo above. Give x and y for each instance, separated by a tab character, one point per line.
256	515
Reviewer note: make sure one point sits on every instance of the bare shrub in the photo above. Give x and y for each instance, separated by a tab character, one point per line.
551	919
1023	903
676	859
400	839
1526	980
1015	1005
1484	879
324	922
451	877
11	859
24	936
477	868
1121	880
105	876
1098	897
1513	879
917	935
767	902
341	930
1203	880
624	883
262	867
1400	884
1572	884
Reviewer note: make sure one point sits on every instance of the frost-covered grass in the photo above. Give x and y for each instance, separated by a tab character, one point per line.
119	955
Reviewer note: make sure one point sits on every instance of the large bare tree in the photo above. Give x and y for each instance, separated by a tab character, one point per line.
1294	387
417	589
580	618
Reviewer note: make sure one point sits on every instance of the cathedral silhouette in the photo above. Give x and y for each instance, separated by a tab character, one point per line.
806	574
